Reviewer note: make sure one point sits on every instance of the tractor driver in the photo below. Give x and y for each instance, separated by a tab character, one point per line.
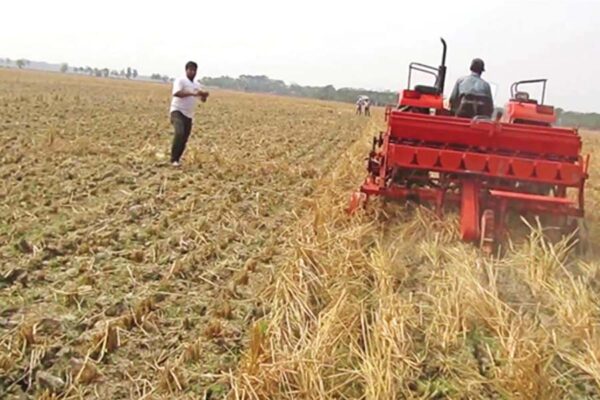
474	88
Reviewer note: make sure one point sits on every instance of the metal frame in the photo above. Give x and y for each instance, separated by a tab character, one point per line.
514	88
439	73
428	69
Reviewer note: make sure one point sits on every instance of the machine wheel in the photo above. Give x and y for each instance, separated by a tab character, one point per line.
487	231
357	200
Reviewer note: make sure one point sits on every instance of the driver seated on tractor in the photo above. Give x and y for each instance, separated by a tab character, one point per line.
472	96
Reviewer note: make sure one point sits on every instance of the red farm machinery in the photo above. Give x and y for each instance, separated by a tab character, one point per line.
517	161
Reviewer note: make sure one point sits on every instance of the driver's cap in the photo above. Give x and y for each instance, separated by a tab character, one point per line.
477	65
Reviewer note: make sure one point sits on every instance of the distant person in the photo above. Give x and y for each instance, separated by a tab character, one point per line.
367	107
359	106
185	91
471	94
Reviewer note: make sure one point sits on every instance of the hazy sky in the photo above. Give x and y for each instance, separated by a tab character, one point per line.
346	43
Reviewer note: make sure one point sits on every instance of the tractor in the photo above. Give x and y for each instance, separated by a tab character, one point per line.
517	161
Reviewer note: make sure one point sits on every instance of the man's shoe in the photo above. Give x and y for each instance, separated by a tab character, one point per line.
176	164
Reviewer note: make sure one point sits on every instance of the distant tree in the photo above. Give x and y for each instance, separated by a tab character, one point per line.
128	73
224	82
155	77
577	119
105	72
64	67
327	93
114	72
21	62
134	73
89	70
97	72
122	73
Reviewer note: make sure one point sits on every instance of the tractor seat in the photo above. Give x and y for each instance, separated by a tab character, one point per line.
523	97
426	89
472	105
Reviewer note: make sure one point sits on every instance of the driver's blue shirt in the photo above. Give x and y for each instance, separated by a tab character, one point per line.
470	84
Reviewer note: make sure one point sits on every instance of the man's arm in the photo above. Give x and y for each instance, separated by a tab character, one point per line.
203	94
184	93
181	92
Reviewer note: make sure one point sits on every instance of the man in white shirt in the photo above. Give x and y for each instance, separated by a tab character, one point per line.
185	91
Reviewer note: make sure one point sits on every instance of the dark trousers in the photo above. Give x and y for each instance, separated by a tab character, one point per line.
183	128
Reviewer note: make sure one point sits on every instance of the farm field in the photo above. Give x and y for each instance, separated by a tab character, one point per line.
112	260
241	276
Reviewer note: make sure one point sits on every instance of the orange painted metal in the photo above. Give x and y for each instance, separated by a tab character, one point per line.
469	211
478	164
522	169
528	112
475	162
450	159
427	157
413	98
531	197
498	166
492	165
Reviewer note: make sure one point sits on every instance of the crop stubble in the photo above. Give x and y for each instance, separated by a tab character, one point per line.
122	277
391	304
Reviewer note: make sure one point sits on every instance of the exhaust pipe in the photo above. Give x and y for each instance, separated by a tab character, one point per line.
441	81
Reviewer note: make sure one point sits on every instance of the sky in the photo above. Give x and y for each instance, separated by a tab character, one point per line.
348	43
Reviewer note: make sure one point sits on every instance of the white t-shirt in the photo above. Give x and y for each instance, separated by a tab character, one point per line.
185	105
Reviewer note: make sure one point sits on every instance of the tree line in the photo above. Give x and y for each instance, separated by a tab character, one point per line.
159	77
263	84
577	119
129	73
20	63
